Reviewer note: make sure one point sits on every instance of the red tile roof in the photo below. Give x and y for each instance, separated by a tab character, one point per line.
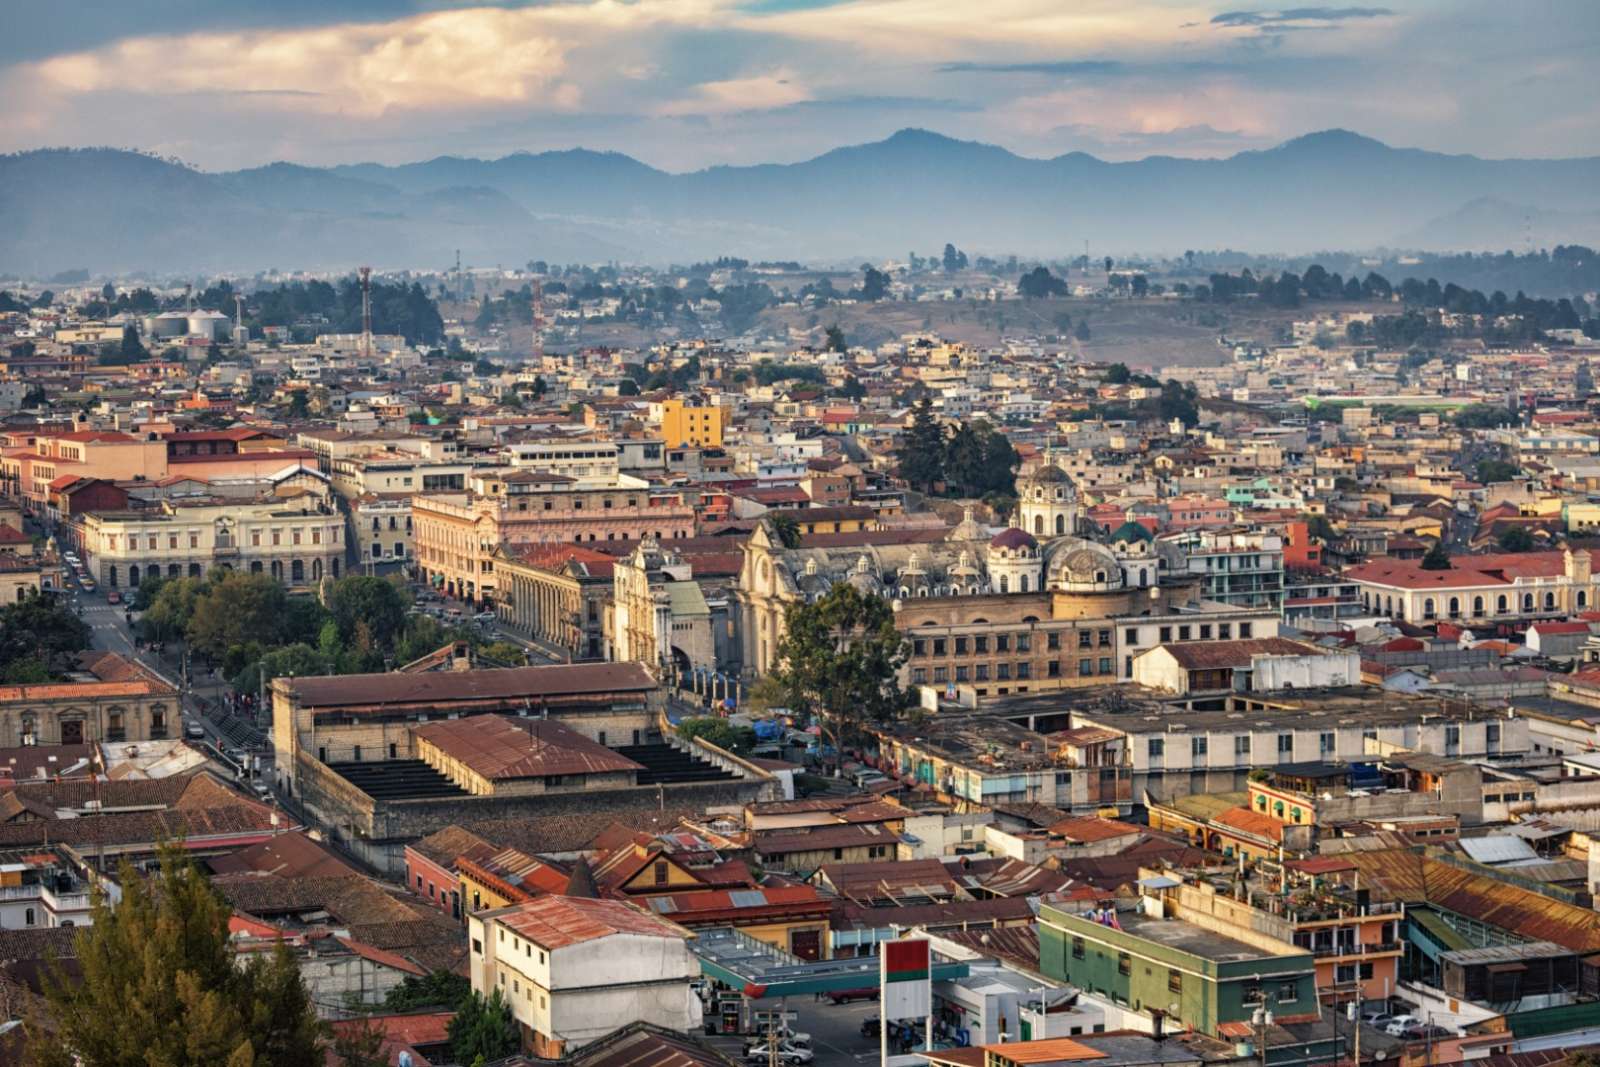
555	922
500	747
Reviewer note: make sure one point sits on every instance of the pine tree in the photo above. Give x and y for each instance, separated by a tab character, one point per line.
1437	559
159	986
483	1029
923	450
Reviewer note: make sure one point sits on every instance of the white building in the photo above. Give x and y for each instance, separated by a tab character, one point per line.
574	969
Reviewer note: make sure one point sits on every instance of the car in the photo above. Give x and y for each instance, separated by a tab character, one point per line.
786	1054
113	597
194	732
845	996
865	779
785	1035
1398	1025
485	617
1376	1019
869	1026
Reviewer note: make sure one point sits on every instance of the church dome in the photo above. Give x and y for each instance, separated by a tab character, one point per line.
1047	474
1013	538
1083	566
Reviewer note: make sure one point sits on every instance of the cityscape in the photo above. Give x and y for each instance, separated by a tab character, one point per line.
779	532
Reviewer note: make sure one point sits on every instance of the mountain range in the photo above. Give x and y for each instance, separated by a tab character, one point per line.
117	212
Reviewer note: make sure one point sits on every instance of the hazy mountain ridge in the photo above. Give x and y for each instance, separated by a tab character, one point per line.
118	211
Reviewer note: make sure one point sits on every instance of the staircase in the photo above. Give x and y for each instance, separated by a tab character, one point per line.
665	765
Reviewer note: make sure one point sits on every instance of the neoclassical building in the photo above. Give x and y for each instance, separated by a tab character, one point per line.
124	702
1506	588
1009	613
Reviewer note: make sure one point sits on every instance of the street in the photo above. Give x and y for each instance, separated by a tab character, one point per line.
835	1031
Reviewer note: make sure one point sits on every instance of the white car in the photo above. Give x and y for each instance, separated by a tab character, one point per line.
1400	1024
786	1054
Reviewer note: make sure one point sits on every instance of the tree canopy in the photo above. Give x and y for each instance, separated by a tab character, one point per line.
483	1029
159	985
839	660
39	638
1437	558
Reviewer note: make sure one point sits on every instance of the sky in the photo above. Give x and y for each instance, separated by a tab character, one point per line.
686	84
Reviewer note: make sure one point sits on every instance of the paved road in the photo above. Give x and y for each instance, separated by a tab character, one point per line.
835	1031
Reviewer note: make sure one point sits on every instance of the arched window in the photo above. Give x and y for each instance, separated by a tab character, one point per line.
1527	601
1022	584
1500	604
1038	525
1477	606
133	575
297	571
1583	598
1061	524
1455	607
173	570
1005	584
111	577
1428	609
1549	600
316	570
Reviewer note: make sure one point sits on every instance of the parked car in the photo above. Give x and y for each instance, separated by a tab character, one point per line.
1376	1019
786	1054
194	732
869	1026
484	617
785	1035
868	778
845	996
1397	1026
113	597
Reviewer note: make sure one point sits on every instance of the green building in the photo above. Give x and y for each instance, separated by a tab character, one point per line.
1192	976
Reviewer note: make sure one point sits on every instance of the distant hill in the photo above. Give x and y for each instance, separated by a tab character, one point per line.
116	211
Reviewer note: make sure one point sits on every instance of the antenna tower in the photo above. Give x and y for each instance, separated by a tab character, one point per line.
538	321
366	312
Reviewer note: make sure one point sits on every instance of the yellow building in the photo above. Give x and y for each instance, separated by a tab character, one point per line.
696	427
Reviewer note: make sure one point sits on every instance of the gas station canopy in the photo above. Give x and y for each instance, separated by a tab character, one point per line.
759	970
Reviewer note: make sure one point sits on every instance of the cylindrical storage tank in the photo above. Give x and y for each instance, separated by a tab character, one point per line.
169	324
208	324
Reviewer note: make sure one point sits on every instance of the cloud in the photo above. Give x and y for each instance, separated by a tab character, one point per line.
763	92
1068	67
1298	15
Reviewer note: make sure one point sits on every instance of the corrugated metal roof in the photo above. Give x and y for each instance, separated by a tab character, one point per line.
1497	849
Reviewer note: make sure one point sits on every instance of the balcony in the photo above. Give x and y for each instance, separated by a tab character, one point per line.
1375	948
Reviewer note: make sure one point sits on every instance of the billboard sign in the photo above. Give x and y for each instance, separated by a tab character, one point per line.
905	979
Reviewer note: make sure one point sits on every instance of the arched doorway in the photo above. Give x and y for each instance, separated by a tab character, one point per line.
133	575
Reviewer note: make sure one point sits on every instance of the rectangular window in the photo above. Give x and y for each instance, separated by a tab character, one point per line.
1156	747
1077	948
941	675
1103	639
1241	745
1185	632
938	646
919	675
1024	643
1197	746
1205	631
1174	981
961	646
1002	643
1053	669
961	674
981	672
1052	641
1085	668
980	644
1288	992
1002	672
1225	630
1325	743
919	647
1105	664
1130	636
1085	639
1166	634
1246	631
1285	744
1024	671
1124	963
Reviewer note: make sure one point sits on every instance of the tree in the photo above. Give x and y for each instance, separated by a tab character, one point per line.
835	340
158	984
1516	539
236	609
839	660
627	387
358	1043
1039	283
874	283
785	529
483	1027
1437	559
436	989
39	635
922	452
1117	374
377	602
1495	470
108	292
719	732
1081	331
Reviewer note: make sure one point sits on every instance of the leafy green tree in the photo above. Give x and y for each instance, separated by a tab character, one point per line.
290	661
627	387
784	528
839	660
719	732
169	611
1039	283
39	634
376	601
835	340
874	283
1483	416
1437	559
158	984
436	989
234	609
507	652
483	1028
922	452
1495	470
1516	539
1117	374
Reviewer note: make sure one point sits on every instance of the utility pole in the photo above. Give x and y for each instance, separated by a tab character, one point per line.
538	321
